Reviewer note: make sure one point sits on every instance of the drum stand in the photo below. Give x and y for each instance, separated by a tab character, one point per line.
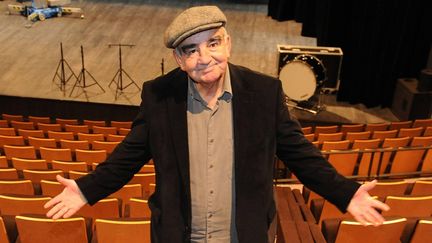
60	72
118	77
81	80
311	106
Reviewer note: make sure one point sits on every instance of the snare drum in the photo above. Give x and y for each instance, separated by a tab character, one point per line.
302	77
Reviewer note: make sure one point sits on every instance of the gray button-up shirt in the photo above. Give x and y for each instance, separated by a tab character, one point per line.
211	153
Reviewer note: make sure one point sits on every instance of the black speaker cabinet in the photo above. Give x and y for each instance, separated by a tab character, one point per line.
409	103
330	58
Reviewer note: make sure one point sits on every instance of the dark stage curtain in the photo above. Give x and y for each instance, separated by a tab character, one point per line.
382	40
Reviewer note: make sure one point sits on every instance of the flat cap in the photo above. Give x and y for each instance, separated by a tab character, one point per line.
191	21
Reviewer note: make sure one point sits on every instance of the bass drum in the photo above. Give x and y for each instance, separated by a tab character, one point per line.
302	77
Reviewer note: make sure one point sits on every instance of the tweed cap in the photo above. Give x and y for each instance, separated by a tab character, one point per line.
191	21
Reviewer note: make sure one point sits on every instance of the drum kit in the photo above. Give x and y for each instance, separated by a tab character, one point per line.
302	81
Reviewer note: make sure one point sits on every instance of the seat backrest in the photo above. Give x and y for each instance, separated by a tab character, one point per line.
32	164
337	136
423	122
144	179
421	141
422	188
42	142
22	125
105	208
74	144
346	128
31	133
50	154
138	208
19	187
61	135
13	205
335	145
3	233
121	124
107	146
90	137
51	188
75	129
344	163
409	206
41	119
91	156
407	161
126	193
410	132
11	140
422	232
352	136
376	127
41	230
24	152
7	131
46	127
8	174
399	125
37	175
131	231
67	166
393	188
354	232
384	134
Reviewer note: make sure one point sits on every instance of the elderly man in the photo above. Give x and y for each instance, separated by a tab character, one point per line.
213	129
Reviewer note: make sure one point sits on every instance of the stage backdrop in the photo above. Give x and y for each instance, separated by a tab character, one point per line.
382	40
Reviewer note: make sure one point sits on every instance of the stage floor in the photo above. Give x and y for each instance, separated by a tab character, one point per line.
30	57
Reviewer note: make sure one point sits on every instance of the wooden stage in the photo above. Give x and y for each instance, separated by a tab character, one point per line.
29	57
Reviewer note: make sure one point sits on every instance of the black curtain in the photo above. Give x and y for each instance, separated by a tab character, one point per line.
382	40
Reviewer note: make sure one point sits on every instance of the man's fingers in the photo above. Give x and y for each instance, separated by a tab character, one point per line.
54	210
369	185
69	213
53	201
60	213
379	205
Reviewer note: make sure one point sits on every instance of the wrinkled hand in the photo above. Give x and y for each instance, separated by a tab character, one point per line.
68	202
364	208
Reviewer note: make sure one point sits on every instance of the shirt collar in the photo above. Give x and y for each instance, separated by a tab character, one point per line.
226	89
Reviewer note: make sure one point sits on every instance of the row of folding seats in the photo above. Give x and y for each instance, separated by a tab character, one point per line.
394	229
39	229
344	128
351	137
8	120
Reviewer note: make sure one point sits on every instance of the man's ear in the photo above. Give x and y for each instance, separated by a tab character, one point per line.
228	45
177	58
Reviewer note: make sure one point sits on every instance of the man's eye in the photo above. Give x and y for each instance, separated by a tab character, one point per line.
214	44
190	51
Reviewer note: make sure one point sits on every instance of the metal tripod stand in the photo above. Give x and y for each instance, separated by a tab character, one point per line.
81	80
60	72
118	77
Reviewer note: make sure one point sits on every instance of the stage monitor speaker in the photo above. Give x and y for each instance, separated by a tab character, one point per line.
409	103
330	57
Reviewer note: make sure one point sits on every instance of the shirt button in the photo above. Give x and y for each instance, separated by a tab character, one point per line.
211	140
210	215
211	191
209	236
211	166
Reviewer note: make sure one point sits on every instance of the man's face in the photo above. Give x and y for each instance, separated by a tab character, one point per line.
204	56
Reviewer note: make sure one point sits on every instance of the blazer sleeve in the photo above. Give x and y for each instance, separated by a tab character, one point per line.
307	162
126	160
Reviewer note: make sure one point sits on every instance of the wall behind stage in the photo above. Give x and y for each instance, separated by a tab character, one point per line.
382	40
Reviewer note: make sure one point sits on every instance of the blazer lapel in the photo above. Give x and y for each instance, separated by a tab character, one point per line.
243	112
177	106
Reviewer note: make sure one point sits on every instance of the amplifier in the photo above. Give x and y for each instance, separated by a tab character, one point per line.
409	103
330	60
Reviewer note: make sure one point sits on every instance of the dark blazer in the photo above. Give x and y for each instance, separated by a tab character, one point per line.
262	128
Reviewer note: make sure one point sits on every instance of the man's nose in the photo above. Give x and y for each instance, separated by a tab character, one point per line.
204	55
